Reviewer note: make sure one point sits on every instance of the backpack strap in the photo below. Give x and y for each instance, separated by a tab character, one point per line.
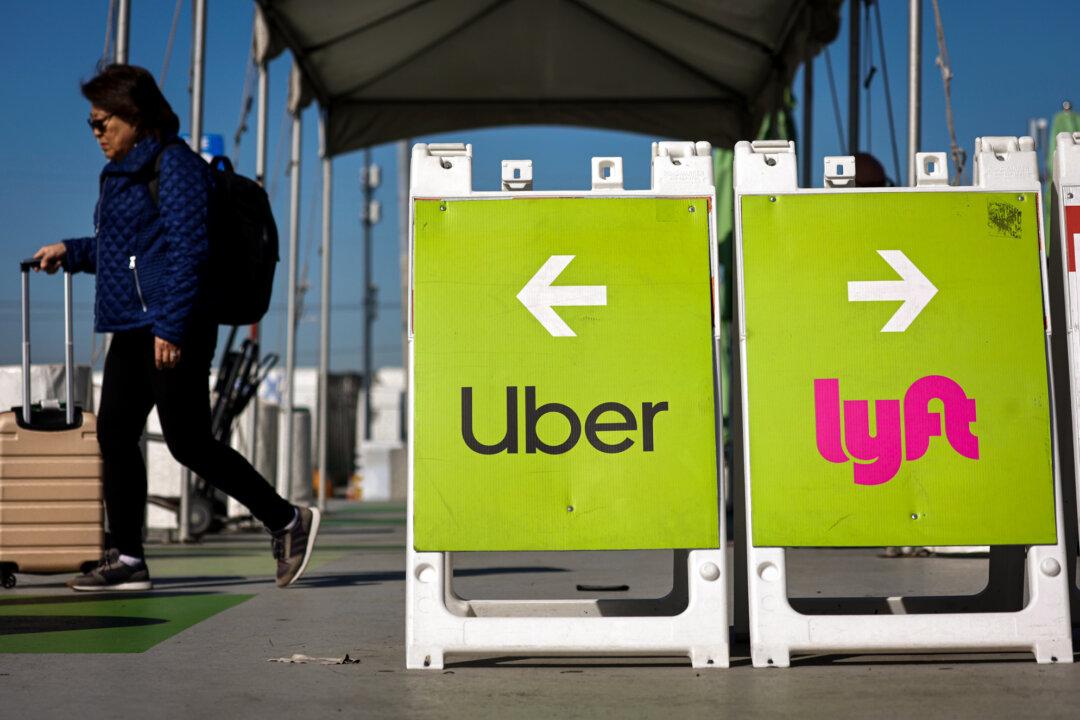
152	184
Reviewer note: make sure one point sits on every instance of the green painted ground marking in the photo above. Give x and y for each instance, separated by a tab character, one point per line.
850	442
103	624
581	308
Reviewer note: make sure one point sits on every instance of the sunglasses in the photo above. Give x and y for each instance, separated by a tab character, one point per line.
98	125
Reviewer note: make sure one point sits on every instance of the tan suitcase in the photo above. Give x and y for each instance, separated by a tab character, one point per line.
51	517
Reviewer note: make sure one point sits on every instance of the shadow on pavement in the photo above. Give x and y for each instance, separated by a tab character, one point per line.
192	582
314	580
870	659
740	657
369	578
577	663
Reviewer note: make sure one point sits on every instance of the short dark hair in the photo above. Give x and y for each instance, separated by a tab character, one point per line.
130	93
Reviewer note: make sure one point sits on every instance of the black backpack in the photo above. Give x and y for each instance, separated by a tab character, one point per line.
243	244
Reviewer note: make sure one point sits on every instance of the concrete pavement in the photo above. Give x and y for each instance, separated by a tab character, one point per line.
219	622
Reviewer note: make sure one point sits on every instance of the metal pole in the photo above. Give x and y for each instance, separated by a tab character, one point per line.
1037	128
369	314
1033	132
324	317
120	57
261	127
285	456
403	249
853	77
807	134
914	84
262	113
123	31
198	52
1042	142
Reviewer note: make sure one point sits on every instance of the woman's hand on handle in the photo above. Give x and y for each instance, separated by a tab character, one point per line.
49	257
166	355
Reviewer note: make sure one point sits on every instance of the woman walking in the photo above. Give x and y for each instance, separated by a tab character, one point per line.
149	253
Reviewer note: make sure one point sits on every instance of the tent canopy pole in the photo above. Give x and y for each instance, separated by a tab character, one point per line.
198	53
914	84
123	32
807	134
324	316
853	77
285	454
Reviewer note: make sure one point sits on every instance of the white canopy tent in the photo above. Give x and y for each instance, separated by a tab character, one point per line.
384	70
388	69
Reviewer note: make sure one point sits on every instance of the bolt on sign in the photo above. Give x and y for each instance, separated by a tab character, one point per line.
564	383
896	370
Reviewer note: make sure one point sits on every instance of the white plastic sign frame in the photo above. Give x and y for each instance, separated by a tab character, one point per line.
693	620
777	630
1065	288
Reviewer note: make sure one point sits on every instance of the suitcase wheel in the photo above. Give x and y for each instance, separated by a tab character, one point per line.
200	516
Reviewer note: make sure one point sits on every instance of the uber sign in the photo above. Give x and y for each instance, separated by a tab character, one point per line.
563	374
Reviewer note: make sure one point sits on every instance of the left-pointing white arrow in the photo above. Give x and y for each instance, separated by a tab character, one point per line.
914	289
539	295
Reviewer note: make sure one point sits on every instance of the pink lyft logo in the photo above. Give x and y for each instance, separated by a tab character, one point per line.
878	457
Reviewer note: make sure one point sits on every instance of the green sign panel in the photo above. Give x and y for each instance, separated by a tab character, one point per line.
563	370
896	370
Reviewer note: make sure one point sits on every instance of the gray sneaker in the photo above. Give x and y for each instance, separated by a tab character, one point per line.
112	575
292	548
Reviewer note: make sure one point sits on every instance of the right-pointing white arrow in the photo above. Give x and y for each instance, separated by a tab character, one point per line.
914	289
539	295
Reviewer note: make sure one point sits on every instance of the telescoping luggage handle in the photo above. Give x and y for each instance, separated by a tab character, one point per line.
25	266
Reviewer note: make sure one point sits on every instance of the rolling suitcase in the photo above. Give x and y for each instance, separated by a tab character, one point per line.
51	517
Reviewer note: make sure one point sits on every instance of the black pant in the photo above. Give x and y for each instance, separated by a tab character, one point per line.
131	386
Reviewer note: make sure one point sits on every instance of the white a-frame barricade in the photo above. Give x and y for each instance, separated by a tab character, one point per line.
564	396
1065	306
895	391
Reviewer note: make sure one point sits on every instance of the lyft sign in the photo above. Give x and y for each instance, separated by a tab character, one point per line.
896	388
878	454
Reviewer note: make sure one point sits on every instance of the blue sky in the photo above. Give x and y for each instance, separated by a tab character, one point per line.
1012	61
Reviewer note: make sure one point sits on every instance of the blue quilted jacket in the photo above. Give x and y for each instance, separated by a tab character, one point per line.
149	258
